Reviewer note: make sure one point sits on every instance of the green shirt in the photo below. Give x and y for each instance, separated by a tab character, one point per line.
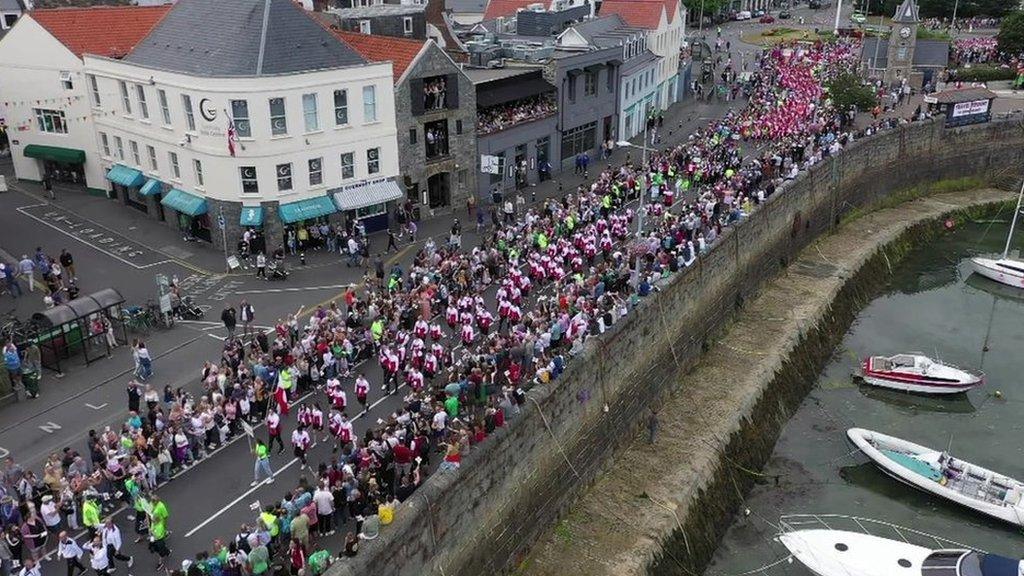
262	451
158	521
451	405
259	559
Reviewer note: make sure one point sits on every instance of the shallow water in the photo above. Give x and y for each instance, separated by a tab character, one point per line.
932	304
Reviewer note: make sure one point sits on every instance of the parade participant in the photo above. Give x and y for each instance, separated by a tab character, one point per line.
262	465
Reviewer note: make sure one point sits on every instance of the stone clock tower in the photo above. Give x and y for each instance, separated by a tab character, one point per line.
902	40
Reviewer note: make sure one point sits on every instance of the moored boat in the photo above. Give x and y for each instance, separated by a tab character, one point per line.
917	373
1004	269
842	553
941	474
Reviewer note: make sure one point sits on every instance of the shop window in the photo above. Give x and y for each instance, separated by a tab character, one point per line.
578	140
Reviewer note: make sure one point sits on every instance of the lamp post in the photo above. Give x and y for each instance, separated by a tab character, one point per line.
643	192
839	8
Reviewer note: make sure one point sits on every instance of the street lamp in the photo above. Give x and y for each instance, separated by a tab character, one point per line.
643	192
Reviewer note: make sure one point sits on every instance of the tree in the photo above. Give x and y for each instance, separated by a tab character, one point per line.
711	7
1011	34
847	90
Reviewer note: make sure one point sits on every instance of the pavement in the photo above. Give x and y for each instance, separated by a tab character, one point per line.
114	246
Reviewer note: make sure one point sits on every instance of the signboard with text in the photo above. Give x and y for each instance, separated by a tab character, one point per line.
969	108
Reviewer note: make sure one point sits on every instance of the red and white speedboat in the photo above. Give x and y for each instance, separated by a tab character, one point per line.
917	373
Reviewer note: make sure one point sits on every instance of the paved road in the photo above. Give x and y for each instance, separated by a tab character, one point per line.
211	499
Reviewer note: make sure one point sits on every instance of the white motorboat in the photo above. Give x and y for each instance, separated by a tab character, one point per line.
840	553
940	474
1004	270
917	373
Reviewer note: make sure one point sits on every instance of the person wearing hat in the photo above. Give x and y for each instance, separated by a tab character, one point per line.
51	514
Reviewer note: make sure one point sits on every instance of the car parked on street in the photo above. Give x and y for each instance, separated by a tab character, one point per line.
767	19
785	15
743	15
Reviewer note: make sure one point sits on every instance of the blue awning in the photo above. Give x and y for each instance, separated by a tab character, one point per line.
252	216
125	176
306	209
184	202
151	187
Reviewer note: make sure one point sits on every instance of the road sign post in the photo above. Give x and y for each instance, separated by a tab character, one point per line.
224	237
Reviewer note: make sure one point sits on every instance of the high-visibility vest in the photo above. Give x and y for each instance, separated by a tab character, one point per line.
270	521
90	514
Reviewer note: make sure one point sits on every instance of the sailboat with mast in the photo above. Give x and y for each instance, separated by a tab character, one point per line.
1004	270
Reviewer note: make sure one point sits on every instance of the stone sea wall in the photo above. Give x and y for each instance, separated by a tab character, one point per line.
483	519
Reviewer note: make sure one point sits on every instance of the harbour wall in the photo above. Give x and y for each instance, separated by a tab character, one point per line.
483	519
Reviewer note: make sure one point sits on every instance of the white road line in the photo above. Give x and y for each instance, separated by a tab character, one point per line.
295	289
93	246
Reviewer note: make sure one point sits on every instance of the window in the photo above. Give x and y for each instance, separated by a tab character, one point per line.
436	136
572	87
175	168
197	167
65	80
94	90
284	177
134	147
151	152
348	165
578	140
119	146
310	112
364	26
106	143
496	178
407	25
240	116
126	102
190	118
369	104
340	107
250	185
278	120
458	126
590	83
165	110
316	171
373	161
609	78
412	135
51	121
143	106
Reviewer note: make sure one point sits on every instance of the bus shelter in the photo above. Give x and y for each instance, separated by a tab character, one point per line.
79	327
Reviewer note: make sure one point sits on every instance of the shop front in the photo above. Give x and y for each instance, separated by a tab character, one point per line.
191	210
367	202
149	198
251	221
300	217
127	185
64	165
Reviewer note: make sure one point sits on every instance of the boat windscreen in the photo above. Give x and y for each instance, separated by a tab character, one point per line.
993	565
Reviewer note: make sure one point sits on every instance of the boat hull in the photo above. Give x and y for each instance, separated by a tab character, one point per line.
989	268
841	553
869	442
918	387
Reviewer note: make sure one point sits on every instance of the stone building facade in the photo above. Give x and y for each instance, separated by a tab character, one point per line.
436	135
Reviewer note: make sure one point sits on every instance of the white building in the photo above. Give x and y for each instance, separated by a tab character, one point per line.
42	92
665	20
314	123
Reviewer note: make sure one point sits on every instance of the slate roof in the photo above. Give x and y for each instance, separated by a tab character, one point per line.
400	51
639	13
379	10
907	12
927	53
110	31
222	38
590	29
496	8
963	95
466	6
11	6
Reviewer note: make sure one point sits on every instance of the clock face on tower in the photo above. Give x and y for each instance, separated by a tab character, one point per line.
905	32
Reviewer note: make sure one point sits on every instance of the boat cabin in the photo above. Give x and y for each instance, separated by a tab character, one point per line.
968	563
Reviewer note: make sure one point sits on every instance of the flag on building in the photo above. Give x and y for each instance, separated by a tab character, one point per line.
232	136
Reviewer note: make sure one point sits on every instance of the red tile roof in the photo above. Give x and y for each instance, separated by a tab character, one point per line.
637	13
102	30
400	51
505	8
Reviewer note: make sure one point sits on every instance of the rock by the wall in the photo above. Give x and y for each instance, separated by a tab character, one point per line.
482	519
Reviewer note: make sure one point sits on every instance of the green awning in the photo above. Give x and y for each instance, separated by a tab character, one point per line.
306	209
125	176
151	187
184	202
55	153
252	216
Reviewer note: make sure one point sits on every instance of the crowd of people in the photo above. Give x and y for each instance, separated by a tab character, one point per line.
55	276
504	116
975	50
459	336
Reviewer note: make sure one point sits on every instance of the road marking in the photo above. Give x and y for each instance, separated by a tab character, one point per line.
4	452
110	253
296	289
100	407
49	427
